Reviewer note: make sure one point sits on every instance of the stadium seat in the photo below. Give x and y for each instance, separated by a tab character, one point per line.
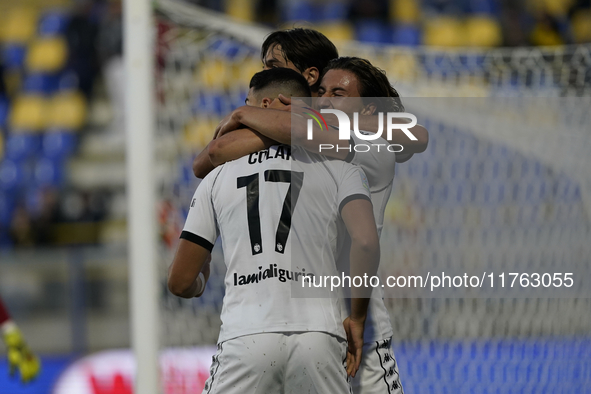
20	25
444	32
22	146
52	23
4	111
47	55
68	80
241	9
59	144
13	55
41	83
214	73
48	172
407	35
483	7
243	71
6	208
404	11
581	26
482	31
29	112
373	31
212	103
299	11
336	31
67	111
334	11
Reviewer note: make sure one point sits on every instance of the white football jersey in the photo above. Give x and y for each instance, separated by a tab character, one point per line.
278	215
379	167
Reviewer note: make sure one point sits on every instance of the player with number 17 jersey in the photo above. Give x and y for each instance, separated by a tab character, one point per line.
265	253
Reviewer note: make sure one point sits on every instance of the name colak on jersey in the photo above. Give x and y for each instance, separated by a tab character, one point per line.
282	275
282	152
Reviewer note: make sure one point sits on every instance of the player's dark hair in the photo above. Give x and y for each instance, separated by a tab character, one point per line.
303	47
286	79
373	82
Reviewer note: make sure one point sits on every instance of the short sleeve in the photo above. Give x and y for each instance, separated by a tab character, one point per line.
201	224
377	162
353	185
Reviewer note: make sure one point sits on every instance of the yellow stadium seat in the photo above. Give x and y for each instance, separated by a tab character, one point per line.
241	9
198	132
337	31
581	26
445	32
482	31
19	25
29	112
402	66
404	11
557	7
542	35
68	111
47	54
214	73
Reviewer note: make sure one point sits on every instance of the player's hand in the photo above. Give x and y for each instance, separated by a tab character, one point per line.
354	330
227	124
291	104
20	357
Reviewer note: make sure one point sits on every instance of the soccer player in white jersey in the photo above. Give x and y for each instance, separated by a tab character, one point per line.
277	212
351	78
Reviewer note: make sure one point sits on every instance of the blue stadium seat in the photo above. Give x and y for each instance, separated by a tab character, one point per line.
211	103
41	83
48	172
11	175
53	23
22	146
4	110
68	80
14	55
59	144
373	31
334	11
483	7
6	208
407	35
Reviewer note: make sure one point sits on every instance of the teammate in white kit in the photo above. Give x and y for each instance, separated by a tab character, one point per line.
343	77
271	342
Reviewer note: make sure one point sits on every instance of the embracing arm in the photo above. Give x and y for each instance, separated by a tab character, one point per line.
282	127
230	146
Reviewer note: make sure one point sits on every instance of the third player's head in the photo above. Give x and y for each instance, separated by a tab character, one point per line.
265	87
359	82
303	50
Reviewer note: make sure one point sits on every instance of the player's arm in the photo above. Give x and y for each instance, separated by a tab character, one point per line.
20	357
364	259
282	127
190	260
230	146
